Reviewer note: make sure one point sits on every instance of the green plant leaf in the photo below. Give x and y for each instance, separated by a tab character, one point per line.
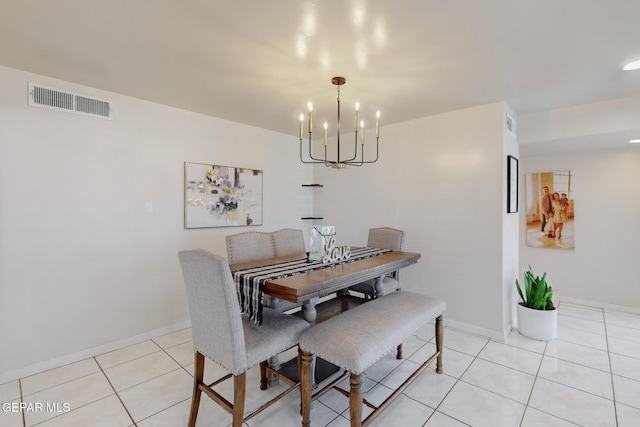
537	294
520	292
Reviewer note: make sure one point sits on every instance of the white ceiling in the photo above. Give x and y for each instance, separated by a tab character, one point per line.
260	62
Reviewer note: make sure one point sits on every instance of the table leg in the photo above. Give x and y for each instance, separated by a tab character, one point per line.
271	377
310	314
379	287
309	310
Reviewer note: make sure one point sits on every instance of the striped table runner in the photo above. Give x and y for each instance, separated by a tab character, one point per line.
250	282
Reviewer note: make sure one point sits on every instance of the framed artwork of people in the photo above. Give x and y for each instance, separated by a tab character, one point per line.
550	213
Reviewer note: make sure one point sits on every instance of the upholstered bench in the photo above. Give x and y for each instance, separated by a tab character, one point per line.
357	338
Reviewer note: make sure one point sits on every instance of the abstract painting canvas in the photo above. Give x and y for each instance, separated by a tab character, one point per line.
221	196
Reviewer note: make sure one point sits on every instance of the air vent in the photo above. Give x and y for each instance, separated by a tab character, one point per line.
510	124
53	99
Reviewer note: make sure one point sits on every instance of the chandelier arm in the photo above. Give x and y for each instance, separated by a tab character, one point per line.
362	161
349	162
356	163
307	161
327	163
355	150
311	156
310	152
355	153
367	161
377	152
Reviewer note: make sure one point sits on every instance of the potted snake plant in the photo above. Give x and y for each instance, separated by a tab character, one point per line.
537	316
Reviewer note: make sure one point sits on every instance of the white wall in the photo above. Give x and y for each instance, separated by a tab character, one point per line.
441	179
510	236
604	266
83	268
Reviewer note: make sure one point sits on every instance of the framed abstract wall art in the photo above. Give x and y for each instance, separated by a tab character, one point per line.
221	196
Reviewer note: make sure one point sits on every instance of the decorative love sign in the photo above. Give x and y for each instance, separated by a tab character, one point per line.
331	253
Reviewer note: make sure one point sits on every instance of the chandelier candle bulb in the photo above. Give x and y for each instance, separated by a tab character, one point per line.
357	115
326	125
378	124
310	105
362	129
301	124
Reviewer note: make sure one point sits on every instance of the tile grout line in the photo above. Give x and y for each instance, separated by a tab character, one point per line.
164	409
613	388
24	421
60	384
339	415
535	380
574	388
162	349
129	360
579	364
173	358
477	357
458	380
116	393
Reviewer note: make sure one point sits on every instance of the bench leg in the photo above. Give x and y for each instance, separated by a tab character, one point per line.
439	337
355	400
306	374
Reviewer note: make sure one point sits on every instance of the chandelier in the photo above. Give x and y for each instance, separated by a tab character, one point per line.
337	162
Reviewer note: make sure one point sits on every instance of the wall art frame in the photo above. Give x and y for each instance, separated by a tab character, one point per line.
512	184
550	209
221	196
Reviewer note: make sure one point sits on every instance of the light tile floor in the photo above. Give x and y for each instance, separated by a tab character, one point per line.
589	376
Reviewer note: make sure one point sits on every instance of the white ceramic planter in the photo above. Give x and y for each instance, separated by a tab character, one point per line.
537	324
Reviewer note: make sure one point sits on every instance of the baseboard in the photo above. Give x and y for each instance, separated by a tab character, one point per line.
475	330
46	365
598	304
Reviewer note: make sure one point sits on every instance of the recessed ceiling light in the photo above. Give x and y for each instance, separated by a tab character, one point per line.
635	65
634	141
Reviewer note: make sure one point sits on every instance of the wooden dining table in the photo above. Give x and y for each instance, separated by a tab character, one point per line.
307	288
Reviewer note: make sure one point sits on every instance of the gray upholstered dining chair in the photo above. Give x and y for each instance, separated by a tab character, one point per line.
225	336
289	241
250	246
385	238
256	245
